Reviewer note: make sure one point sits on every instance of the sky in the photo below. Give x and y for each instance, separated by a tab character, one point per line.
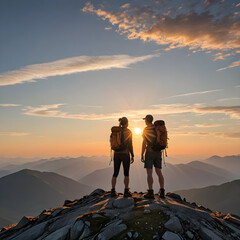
70	68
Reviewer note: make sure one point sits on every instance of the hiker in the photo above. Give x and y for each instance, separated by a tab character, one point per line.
122	149
151	158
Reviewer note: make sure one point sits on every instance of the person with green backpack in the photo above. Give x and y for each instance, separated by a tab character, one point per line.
121	144
154	141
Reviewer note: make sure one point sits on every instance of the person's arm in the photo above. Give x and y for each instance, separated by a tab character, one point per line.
130	145
144	144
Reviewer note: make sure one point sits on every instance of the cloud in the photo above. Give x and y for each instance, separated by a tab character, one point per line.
232	111
228	99
162	109
108	28
216	134
203	125
69	66
196	93
212	25
13	134
232	65
9	105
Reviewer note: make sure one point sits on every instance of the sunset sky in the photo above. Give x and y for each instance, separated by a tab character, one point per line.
70	68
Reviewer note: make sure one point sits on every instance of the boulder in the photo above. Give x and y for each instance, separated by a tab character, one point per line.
60	234
174	225
208	234
76	229
86	232
171	236
123	202
174	196
23	222
112	230
97	192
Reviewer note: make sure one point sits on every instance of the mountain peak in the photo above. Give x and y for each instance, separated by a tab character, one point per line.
98	216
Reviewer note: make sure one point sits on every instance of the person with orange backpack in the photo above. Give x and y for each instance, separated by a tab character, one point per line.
154	141
121	144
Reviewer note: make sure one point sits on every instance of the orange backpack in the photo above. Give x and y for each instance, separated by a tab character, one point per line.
117	139
161	139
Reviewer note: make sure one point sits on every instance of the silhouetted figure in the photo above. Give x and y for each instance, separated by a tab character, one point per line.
121	143
152	158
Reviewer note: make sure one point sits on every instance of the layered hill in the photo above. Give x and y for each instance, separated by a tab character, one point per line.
224	197
179	176
29	192
74	168
98	216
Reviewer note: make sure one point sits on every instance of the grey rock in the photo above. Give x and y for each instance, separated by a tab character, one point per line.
174	196
32	233
96	215
123	202
156	237
135	235
146	211
23	222
85	233
129	234
174	225
60	234
87	223
208	234
112	230
171	236
76	229
232	219
190	234
44	217
97	192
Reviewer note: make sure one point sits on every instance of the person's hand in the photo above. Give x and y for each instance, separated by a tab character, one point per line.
132	160
142	159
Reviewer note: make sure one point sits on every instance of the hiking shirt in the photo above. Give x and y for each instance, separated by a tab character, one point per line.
149	133
127	136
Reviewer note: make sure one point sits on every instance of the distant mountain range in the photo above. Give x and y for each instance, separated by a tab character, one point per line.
224	197
27	192
74	168
179	176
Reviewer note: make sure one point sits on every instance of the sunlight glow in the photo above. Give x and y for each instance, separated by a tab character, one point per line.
137	130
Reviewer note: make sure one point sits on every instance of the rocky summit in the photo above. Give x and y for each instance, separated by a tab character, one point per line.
98	216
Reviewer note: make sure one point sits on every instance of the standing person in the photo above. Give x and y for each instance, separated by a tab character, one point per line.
122	155
152	158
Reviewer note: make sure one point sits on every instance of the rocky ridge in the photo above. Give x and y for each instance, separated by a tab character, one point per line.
100	217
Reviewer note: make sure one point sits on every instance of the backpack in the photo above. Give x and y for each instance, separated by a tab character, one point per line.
161	139
117	139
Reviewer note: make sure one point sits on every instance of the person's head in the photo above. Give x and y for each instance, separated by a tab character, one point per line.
123	122
148	119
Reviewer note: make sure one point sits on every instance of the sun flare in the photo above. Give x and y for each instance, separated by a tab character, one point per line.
137	130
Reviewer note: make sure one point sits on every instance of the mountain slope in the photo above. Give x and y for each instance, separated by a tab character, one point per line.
229	163
224	197
27	192
98	216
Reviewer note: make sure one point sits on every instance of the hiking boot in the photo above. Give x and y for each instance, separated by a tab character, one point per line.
127	193
162	193
113	192
149	194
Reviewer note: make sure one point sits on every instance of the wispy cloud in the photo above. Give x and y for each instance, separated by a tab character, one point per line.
228	99
69	66
232	65
9	105
13	134
163	109
204	125
216	134
195	93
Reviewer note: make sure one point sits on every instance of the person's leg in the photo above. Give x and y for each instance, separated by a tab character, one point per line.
160	177
117	164
149	178
126	167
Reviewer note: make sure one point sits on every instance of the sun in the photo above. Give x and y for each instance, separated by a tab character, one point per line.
137	130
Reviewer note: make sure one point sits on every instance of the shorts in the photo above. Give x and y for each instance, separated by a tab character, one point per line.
153	159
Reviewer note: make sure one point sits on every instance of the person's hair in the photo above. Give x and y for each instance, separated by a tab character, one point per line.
123	121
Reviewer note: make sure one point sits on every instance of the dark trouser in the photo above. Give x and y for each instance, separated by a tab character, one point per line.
125	159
